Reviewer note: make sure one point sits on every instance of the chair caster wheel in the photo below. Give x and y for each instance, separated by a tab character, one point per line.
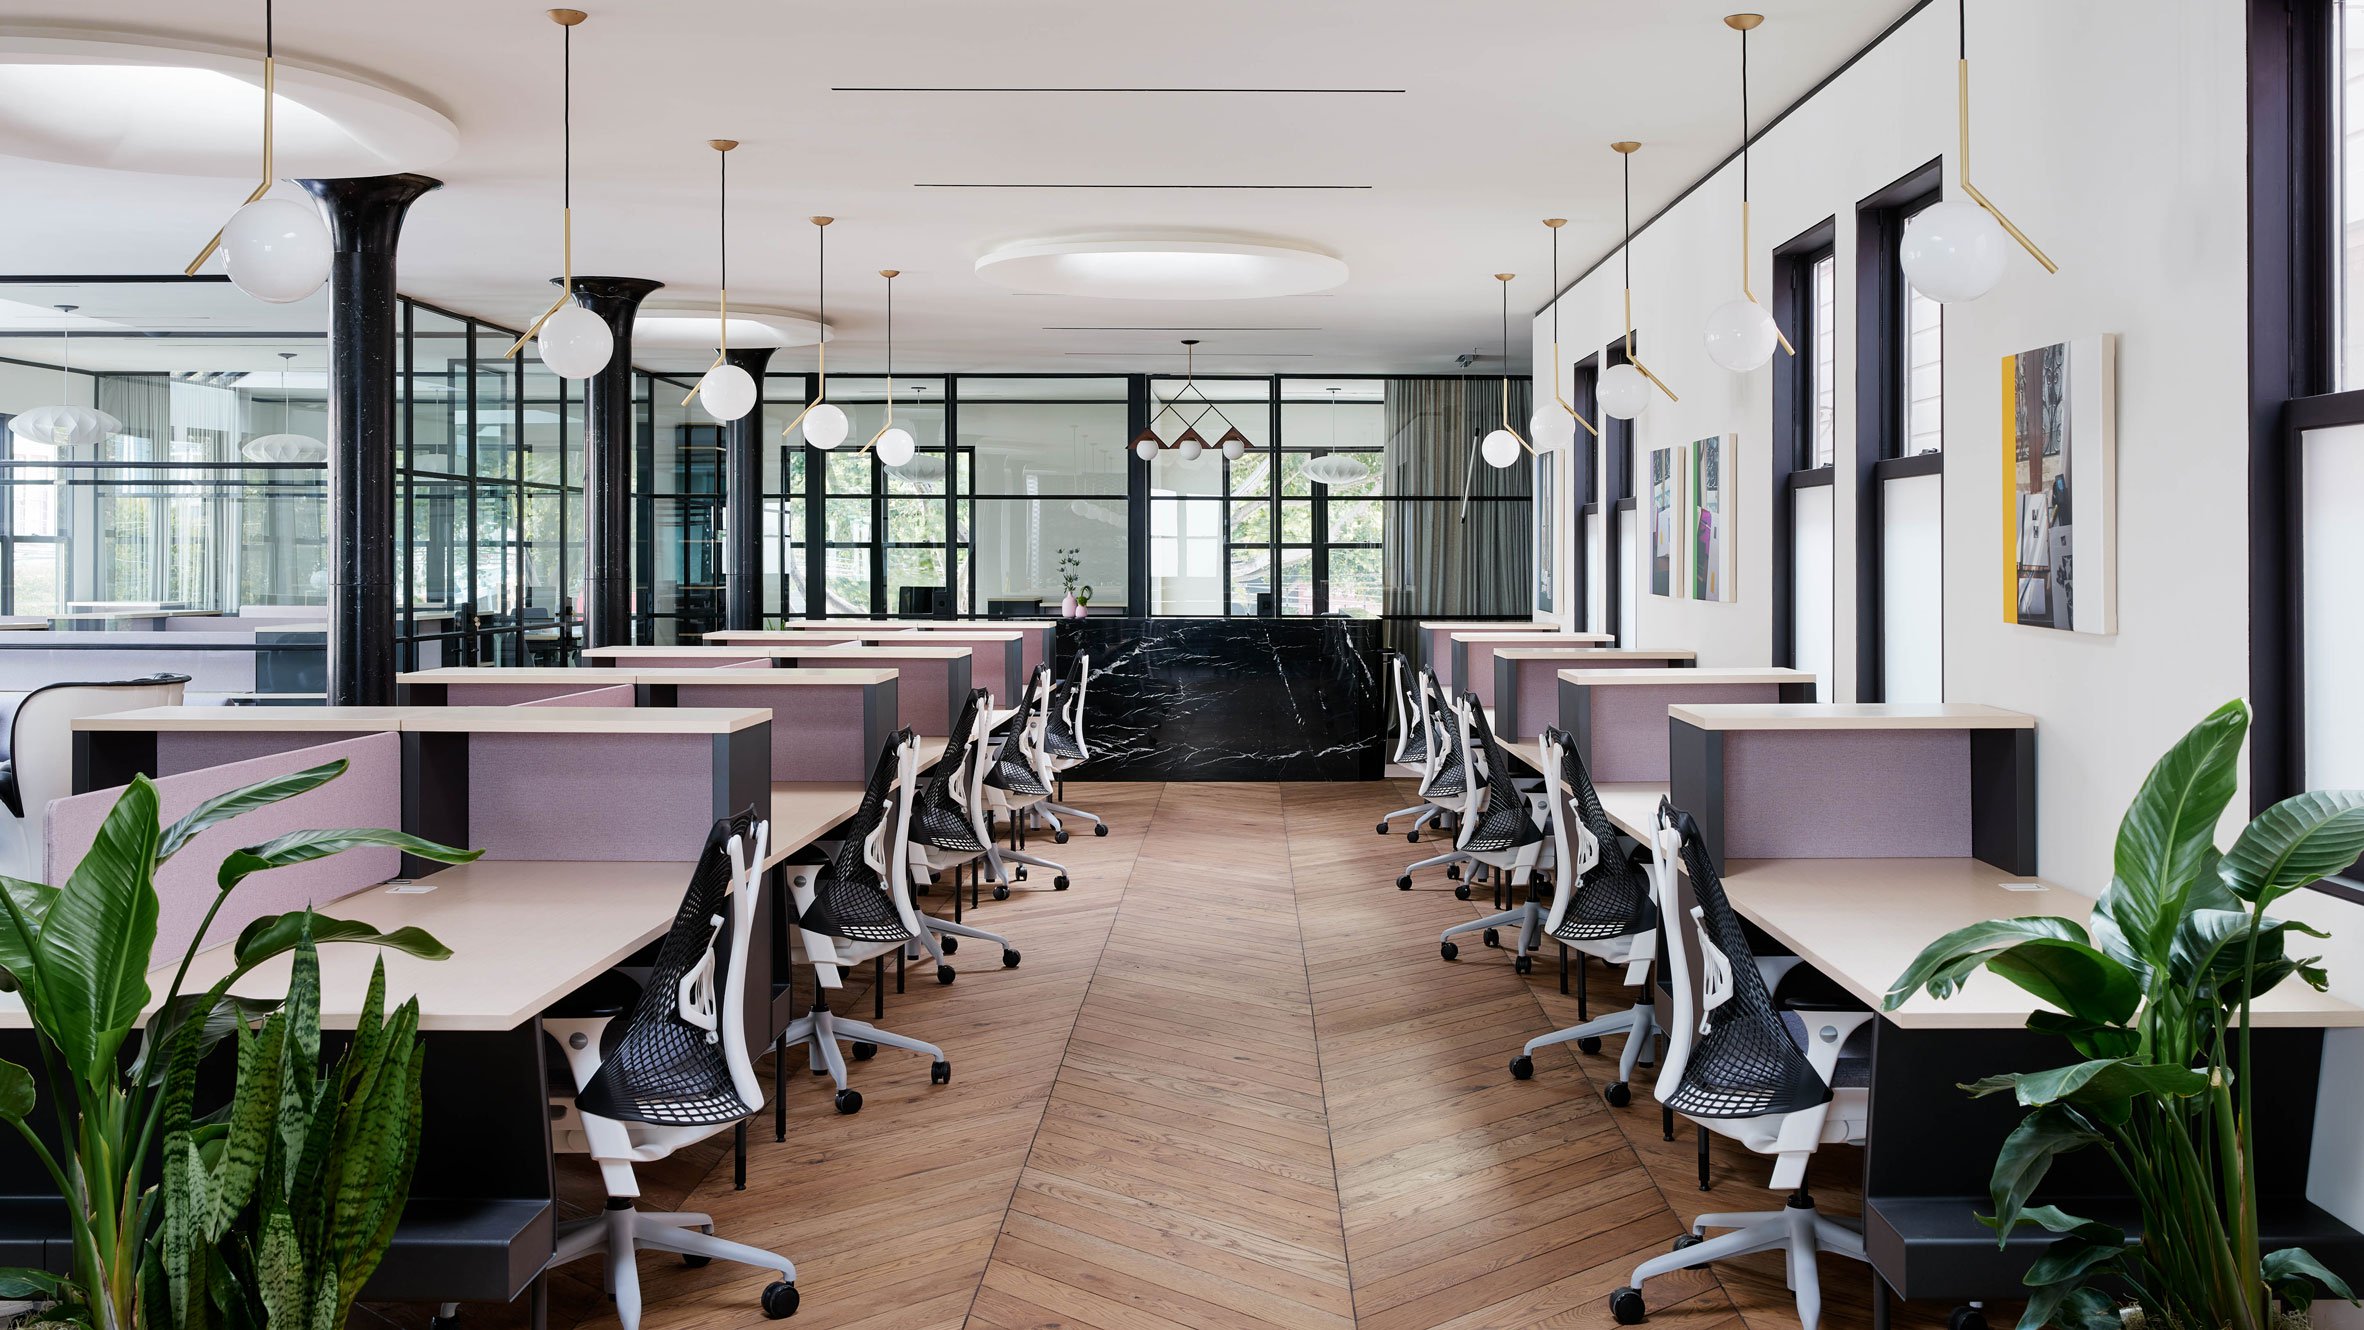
945	974
1461	892
1099	828
1020	875
950	944
1687	1240
1523	965
1411	838
781	1300
1522	1068
1452	872
939	1073
1493	937
1001	891
1403	882
849	1101
1383	828
699	1262
1589	1044
1449	951
1059	883
863	1052
1009	958
1618	1094
1626	1305
1059	837
1965	1318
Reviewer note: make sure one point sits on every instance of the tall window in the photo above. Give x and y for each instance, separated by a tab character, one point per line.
2346	114
1922	430
1051	467
1806	428
1215	542
1822	363
1900	459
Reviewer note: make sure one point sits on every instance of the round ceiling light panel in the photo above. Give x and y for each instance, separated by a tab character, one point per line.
675	326
1147	268
193	111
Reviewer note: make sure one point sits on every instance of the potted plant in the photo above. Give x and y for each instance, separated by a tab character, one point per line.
1070	566
78	955
2154	994
1083	600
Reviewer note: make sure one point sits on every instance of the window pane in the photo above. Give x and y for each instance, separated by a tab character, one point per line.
1355	521
1355	583
1297	521
1826	358
1029	444
1296	582
1017	542
1924	376
1251	522
1185	552
1251	578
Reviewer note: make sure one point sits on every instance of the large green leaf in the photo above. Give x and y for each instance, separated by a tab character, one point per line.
301	847
19	928
2302	839
2167	838
2073	977
16	1092
204	1018
222	807
21	1283
280	1274
2295	1277
299	1066
1944	964
2027	1155
93	950
277	934
2103	1087
2091	1038
2212	947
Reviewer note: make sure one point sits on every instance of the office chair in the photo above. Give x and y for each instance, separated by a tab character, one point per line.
678	1073
1447	787
1017	780
1605	910
1415	740
1779	1082
947	832
1063	746
1499	832
861	902
37	764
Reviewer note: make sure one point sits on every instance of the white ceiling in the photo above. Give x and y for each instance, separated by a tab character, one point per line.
1507	110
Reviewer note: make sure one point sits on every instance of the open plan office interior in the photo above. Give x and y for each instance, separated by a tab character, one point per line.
1283	666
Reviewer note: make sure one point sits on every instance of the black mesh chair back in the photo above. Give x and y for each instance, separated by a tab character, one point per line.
1409	713
666	1070
1614	898
1505	823
850	899
1451	780
939	817
1743	1061
1010	772
1058	734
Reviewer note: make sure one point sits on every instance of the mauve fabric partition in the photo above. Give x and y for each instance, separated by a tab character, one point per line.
590	797
816	729
513	694
369	794
1846	794
1629	736
1539	680
613	695
180	751
923	690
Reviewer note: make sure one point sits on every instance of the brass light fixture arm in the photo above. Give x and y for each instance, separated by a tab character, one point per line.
566	19
1626	148
1745	24
270	91
1507	427
890	274
2010	228
1555	223
821	348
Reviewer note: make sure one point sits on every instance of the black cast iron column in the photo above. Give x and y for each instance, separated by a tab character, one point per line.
608	441
365	223
742	501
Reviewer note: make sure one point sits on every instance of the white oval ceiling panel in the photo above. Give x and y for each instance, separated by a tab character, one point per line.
1148	268
677	325
141	106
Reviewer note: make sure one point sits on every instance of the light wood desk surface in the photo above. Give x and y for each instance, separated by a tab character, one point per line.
337	720
1852	716
438	720
608	678
1585	653
914	650
1548	636
1664	676
1493	625
510	674
802	810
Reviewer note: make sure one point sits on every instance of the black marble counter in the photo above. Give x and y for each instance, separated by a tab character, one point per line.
1229	699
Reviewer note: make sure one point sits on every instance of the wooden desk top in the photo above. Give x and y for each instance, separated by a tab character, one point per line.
1587	653
1498	625
947	635
856	651
802	810
1852	716
1631	804
608	678
1552	636
336	720
1660	678
422	720
796	678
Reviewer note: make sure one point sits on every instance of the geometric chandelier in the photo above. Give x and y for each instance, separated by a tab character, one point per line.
1188	444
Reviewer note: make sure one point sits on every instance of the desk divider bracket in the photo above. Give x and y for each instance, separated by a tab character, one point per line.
1695	781
2003	799
434	792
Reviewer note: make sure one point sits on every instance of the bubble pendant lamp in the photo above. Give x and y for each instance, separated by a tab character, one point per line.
284	448
1954	250
1741	334
1625	388
825	425
275	249
64	426
725	390
1544	429
574	343
894	443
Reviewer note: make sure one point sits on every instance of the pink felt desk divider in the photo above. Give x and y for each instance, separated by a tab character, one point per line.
184	751
612	695
1629	724
817	730
1846	794
368	794
590	797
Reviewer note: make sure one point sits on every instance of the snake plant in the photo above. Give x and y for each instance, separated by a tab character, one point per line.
78	955
2154	995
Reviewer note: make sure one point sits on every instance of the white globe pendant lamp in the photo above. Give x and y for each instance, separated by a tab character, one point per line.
1550	431
573	342
824	425
64	426
1625	387
1741	334
276	250
1502	445
1955	250
726	391
893	443
895	446
285	447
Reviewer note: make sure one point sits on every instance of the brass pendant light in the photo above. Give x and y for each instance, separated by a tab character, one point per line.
825	424
1541	413
1741	334
727	391
574	342
1625	388
1190	443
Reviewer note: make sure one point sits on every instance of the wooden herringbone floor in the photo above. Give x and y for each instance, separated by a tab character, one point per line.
1232	1085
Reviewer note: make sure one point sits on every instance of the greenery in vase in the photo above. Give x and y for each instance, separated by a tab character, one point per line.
1083	594
1070	569
2154	994
78	955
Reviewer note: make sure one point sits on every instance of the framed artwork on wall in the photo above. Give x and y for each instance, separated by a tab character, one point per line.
1669	516
2060	486
1715	545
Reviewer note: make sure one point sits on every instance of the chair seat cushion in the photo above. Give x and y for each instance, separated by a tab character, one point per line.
1854	1069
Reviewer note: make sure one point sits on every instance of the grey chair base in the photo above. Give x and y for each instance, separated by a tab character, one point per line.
1638	1026
822	1030
1527	918
1796	1229
621	1232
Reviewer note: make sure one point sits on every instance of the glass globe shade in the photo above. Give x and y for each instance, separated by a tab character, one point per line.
575	343
1500	449
1624	392
277	250
1145	450
1234	449
1552	429
825	426
727	392
1953	250
1190	449
1740	335
896	446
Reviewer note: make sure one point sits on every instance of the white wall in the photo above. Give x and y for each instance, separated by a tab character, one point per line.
2131	172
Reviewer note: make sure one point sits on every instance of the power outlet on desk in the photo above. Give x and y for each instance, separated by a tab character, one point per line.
407	887
2023	886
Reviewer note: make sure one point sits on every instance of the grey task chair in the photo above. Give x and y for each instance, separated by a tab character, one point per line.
948	832
1063	746
1605	911
37	764
678	1073
1500	834
1415	740
1017	782
1447	787
1782	1083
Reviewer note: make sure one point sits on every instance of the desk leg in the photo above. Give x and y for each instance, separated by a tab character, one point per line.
779	1089
538	1301
1879	1302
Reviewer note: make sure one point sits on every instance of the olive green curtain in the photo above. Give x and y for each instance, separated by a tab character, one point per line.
1441	560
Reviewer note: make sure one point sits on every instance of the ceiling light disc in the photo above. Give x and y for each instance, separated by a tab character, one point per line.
1153	269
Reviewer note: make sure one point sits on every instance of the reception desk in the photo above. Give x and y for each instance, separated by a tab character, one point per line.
1229	699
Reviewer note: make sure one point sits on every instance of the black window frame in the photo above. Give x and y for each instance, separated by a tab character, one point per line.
1794	393
1883	337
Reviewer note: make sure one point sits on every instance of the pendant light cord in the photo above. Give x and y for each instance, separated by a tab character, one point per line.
1627	247
722	208
1744	116
1961	29
566	118
269	49
890	341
